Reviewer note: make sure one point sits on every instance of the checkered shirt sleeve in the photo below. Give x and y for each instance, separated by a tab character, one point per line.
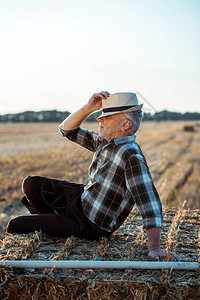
140	184
88	139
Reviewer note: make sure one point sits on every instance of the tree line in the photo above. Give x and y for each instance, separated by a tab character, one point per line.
59	116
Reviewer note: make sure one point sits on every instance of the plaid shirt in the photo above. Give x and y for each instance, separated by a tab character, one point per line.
118	178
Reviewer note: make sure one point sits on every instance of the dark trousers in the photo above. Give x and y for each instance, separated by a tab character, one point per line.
59	210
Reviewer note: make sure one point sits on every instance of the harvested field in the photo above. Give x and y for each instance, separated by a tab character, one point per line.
173	155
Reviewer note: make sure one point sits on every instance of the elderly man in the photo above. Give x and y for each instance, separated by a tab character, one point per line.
119	178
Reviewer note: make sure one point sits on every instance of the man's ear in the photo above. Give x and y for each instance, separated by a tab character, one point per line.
127	124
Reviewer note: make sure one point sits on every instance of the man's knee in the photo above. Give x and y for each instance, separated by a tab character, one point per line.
29	184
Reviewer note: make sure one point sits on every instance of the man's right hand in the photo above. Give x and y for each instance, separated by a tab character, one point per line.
74	120
95	102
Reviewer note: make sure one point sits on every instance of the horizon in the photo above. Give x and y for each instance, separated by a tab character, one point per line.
62	111
56	54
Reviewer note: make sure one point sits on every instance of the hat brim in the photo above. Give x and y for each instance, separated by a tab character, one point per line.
106	114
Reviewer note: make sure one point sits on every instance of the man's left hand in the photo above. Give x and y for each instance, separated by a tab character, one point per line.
160	253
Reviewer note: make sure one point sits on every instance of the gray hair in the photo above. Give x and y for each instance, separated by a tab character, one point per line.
136	118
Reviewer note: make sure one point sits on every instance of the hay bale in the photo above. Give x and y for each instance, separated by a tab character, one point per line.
189	128
180	233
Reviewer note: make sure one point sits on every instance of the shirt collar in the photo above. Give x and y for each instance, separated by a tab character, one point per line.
123	140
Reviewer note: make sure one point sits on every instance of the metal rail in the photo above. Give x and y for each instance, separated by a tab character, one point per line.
76	264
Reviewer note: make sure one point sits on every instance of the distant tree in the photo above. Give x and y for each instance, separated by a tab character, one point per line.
93	117
166	115
147	117
40	116
58	116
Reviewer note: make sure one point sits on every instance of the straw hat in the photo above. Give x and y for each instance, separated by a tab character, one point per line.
119	103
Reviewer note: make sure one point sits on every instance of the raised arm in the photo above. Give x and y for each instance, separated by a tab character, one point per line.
74	120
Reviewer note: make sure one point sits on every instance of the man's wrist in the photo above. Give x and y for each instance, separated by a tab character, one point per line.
88	109
153	238
155	248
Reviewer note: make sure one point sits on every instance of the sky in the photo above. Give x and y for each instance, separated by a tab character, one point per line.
54	54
